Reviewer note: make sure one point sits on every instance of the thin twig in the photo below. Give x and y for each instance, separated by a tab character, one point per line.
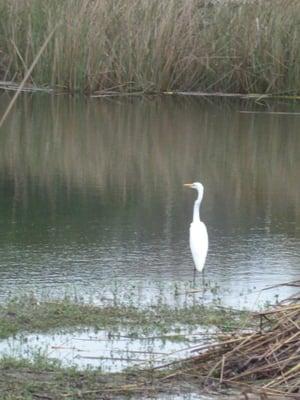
28	73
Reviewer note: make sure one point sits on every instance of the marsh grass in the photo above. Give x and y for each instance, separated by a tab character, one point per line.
42	378
154	46
25	314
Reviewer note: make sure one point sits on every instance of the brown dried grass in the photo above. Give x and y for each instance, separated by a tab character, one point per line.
154	46
265	362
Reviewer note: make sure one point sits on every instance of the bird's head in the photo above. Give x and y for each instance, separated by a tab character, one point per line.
197	186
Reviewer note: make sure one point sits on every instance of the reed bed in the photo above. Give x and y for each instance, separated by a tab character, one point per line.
265	362
105	46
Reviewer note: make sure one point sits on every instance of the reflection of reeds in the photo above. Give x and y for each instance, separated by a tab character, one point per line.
236	46
155	146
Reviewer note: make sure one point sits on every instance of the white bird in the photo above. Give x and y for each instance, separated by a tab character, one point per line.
198	231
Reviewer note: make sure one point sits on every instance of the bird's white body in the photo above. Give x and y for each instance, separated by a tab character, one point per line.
198	231
198	244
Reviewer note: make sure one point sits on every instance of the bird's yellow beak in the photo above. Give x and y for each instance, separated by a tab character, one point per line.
188	185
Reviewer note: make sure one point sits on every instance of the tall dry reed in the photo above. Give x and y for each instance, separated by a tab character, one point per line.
230	46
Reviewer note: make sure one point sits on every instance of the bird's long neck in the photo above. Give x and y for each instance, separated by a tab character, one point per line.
196	212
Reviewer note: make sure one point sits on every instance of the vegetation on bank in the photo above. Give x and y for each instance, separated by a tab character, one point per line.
262	361
153	46
46	379
265	361
42	377
27	315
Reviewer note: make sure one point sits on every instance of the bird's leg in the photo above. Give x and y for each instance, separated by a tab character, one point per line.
203	280
194	278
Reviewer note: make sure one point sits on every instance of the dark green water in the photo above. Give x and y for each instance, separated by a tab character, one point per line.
92	203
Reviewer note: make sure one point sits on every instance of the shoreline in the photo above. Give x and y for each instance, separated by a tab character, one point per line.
17	87
211	368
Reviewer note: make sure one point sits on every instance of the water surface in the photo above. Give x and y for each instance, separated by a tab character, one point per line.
110	351
92	203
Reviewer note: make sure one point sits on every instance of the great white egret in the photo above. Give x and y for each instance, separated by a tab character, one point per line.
198	231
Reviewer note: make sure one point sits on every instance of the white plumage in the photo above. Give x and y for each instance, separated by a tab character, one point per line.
198	231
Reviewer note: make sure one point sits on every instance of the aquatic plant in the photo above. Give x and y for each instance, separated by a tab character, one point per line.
27	314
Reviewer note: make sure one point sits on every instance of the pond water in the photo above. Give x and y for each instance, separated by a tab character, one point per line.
111	351
92	202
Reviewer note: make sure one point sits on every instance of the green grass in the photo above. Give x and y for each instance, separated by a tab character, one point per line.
43	378
154	46
27	315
